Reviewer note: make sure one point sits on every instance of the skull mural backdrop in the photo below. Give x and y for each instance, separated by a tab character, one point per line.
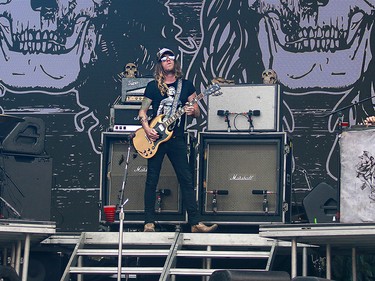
44	44
332	43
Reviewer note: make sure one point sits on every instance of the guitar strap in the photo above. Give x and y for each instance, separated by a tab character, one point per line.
176	97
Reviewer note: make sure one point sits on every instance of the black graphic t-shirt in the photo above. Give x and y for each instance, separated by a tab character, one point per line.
162	104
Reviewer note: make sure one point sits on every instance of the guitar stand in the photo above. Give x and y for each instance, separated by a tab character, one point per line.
122	204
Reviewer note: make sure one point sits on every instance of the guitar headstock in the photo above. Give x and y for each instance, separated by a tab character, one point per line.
214	90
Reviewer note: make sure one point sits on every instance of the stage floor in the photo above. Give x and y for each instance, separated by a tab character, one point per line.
359	235
18	234
355	237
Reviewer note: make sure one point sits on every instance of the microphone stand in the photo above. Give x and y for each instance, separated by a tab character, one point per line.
250	120
348	106
265	203
121	214
214	203
227	120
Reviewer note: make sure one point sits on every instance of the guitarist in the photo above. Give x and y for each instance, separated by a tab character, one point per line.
168	92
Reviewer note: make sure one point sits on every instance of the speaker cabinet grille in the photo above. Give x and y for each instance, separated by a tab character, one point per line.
244	177
114	158
240	169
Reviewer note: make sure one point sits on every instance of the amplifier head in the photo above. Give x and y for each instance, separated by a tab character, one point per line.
133	87
125	117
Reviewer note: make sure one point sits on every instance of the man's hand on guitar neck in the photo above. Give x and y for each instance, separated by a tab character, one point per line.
192	109
189	109
370	121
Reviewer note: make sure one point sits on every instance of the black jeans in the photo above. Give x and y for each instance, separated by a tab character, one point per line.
176	150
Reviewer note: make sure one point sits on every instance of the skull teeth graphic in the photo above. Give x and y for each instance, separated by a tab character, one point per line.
37	41
331	38
319	38
45	44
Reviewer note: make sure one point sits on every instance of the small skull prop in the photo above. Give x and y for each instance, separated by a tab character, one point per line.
269	76
222	81
131	70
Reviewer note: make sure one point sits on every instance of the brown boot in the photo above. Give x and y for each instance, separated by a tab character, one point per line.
202	228
149	227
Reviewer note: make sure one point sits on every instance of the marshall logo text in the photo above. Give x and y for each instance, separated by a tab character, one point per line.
140	169
239	177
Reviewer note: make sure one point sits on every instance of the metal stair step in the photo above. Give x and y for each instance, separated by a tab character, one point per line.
198	271
168	246
126	252
130	238
180	253
145	270
113	270
223	254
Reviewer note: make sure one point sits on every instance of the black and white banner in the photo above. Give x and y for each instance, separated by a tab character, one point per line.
357	194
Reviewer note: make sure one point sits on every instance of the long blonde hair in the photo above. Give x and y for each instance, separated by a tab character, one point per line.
159	75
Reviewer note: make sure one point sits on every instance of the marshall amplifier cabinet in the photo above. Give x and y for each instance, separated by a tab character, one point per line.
245	108
113	163
244	178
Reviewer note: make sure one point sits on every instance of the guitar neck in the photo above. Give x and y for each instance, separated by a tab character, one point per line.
182	110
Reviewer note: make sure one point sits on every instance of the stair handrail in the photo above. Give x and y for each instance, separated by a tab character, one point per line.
73	258
171	258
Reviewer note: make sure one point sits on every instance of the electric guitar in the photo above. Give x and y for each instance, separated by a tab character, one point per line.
145	146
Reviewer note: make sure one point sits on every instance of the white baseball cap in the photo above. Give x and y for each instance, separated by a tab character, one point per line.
164	51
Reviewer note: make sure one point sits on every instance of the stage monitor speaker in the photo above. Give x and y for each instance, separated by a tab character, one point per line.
26	186
321	204
245	178
240	102
247	275
27	137
168	199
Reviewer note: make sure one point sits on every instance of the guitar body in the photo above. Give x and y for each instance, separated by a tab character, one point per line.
146	147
